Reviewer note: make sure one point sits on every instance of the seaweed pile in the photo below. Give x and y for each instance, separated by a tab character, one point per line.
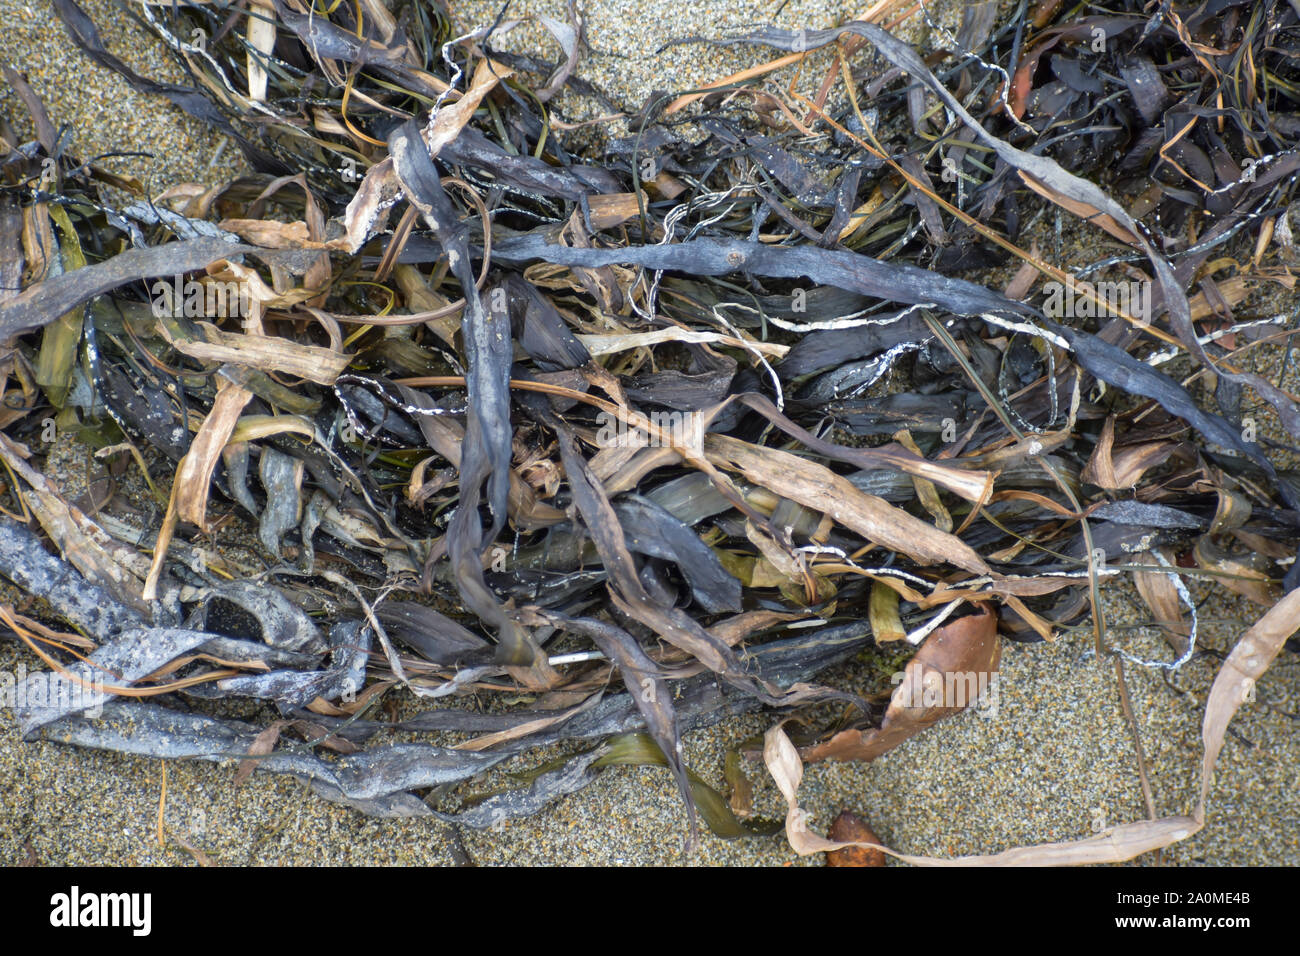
426	405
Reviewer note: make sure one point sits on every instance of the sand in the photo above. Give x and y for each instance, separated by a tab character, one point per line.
1055	760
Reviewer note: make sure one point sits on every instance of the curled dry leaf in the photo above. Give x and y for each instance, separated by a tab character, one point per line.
1121	469
954	665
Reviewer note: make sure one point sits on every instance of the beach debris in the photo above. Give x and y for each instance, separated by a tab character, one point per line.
849	828
954	669
1233	685
441	401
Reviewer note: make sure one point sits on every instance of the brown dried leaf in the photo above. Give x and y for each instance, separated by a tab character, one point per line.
194	474
936	683
451	119
1158	592
262	745
610	210
1080	209
271	234
1117	470
817	487
882	611
261	40
265	352
525	728
1239	573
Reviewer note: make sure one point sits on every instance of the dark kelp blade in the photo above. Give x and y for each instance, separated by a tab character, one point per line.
486	449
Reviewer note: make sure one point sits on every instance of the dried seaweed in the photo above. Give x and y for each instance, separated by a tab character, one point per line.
651	437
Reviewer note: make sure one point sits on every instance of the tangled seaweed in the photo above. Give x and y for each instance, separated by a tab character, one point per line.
657	437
